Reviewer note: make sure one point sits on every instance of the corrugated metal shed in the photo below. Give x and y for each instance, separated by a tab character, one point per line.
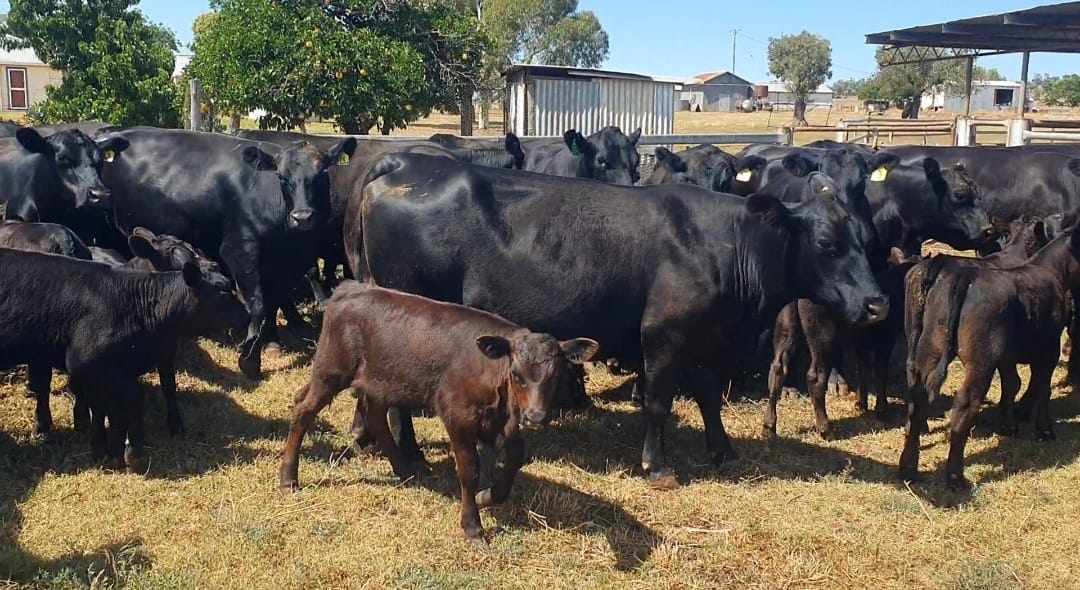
717	91
547	100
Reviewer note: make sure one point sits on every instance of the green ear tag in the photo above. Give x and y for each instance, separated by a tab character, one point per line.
574	148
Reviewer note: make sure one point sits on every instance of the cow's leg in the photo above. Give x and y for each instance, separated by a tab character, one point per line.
784	339
1010	386
133	405
658	381
964	411
514	447
1041	374
467	462
864	363
167	375
375	416
1074	333
39	381
918	406
710	403
821	363
241	258
401	428
306	404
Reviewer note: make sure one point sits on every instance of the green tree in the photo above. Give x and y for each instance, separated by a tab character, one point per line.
533	31
848	87
363	63
1064	91
908	82
803	62
117	66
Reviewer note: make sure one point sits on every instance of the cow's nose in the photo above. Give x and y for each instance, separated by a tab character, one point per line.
535	416
877	309
303	218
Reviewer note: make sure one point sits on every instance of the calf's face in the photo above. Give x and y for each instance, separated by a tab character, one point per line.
165	253
537	366
302	174
77	160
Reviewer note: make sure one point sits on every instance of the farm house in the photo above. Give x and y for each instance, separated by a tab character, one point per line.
782	98
716	92
547	100
989	95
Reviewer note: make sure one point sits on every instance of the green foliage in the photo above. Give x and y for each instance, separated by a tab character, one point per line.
117	66
359	62
1064	91
904	81
803	62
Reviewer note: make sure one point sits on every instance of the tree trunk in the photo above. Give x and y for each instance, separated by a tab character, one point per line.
485	109
800	110
468	112
303	126
234	123
911	109
353	128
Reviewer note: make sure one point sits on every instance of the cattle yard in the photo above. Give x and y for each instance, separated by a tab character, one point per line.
794	512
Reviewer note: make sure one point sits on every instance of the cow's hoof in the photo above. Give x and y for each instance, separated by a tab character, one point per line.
136	463
42	434
477	542
366	447
789	392
663	480
908	473
827	433
957	482
725	457
768	434
1045	435
251	366
288	486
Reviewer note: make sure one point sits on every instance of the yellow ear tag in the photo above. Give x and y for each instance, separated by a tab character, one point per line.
879	174
744	175
343	159
825	189
110	155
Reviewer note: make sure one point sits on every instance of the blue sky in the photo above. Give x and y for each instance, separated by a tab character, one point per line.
687	37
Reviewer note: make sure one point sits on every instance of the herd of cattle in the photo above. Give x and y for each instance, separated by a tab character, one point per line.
492	269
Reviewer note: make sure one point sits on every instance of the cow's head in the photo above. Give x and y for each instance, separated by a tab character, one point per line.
301	169
76	159
607	155
944	201
536	367
825	261
704	165
850	170
169	253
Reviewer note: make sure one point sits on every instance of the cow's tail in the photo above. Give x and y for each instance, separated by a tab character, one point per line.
958	285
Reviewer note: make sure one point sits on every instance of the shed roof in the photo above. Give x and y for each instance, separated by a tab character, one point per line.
1051	28
710	76
783	87
19	57
581	73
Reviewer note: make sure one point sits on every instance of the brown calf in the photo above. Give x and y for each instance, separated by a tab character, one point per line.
991	318
481	374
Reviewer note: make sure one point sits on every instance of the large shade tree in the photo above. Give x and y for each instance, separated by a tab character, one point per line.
803	62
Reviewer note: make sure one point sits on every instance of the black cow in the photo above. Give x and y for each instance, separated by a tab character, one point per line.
1034	180
50	238
251	205
117	325
671	276
607	155
704	165
42	178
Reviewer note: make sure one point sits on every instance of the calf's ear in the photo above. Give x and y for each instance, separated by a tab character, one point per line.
114	145
192	276
141	247
771	211
579	350
259	159
635	136
493	347
341	152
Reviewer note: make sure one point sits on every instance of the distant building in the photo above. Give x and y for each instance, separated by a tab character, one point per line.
988	95
23	78
548	100
714	92
782	98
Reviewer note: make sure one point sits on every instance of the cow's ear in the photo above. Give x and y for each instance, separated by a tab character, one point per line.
141	247
513	145
258	159
635	136
881	164
577	143
112	146
341	152
1074	166
1039	228
797	164
672	160
579	350
33	142
771	211
192	275
493	347
822	186
747	167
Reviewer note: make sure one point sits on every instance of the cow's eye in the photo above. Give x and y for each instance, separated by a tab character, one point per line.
828	247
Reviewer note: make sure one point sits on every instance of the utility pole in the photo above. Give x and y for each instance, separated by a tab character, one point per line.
734	35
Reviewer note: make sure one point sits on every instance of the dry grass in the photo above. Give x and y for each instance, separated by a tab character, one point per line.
802	513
